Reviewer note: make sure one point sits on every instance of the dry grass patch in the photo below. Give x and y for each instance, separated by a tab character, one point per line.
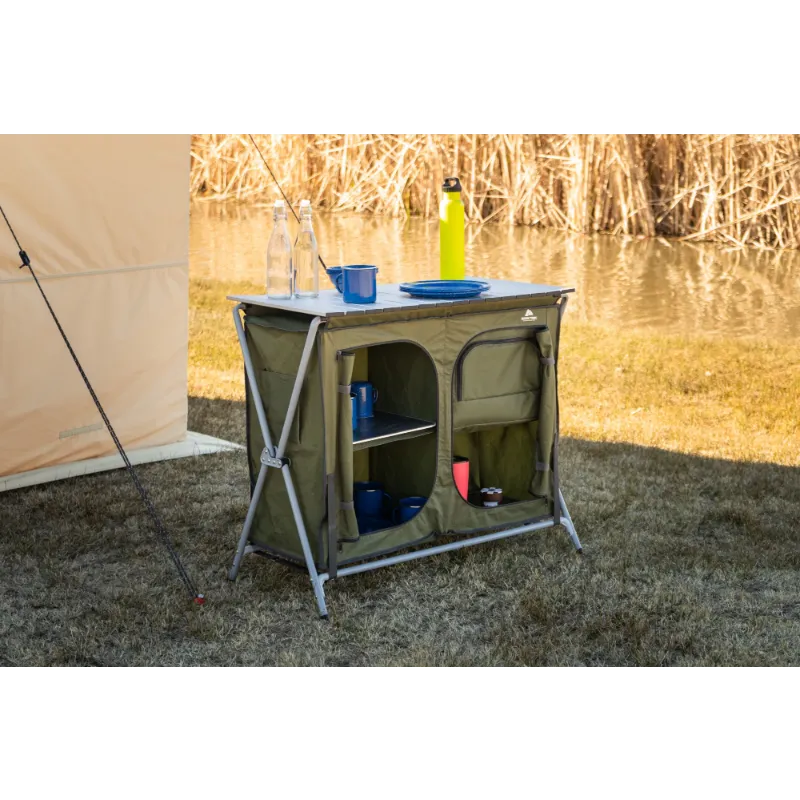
688	561
732	188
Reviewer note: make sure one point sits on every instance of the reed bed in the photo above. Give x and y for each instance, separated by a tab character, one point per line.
740	189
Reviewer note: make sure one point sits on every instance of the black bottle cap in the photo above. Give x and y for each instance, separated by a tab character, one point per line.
451	185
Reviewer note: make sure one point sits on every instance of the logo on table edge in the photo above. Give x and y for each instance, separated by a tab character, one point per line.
529	316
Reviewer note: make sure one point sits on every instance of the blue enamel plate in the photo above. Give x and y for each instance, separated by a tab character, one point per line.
445	290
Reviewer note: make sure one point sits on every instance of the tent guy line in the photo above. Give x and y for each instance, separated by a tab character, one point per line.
151	510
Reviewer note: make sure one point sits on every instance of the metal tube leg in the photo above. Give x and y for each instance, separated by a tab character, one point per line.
566	521
316	581
298	385
251	512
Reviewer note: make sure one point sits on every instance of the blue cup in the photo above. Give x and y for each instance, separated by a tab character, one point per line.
372	524
354	406
369	498
335	274
366	397
359	283
409	508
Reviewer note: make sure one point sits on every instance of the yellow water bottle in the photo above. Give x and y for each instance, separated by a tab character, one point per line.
451	231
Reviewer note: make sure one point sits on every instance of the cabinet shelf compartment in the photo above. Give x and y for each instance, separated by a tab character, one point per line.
384	428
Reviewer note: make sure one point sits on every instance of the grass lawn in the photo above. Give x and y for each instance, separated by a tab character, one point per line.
680	464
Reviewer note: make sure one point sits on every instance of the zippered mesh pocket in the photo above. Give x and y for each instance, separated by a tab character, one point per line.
497	367
497	381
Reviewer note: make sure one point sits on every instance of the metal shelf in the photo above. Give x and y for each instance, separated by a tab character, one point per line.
384	428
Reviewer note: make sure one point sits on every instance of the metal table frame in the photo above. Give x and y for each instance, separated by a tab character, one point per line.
274	458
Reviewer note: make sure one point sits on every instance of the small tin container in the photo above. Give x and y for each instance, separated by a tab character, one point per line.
491	497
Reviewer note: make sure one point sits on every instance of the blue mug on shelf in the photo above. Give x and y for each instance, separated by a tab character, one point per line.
369	498
366	397
354	406
359	283
409	507
372	524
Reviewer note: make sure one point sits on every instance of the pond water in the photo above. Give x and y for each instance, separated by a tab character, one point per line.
643	284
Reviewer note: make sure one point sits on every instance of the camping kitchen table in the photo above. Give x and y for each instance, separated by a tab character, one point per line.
472	378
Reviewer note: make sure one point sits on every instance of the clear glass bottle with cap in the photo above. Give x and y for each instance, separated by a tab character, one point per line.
280	275
306	256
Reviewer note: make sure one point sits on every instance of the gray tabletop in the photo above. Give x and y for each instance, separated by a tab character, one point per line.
390	298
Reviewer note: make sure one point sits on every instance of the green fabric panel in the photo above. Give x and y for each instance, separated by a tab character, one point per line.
361	373
348	527
542	484
406	380
502	456
492	411
406	468
276	391
497	368
465	330
330	382
473	310
425	332
361	466
361	365
465	518
276	347
270	318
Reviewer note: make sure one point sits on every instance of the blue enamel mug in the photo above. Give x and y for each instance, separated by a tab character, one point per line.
335	274
369	498
366	397
359	283
409	507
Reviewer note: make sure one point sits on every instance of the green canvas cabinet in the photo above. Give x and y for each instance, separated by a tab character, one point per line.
474	379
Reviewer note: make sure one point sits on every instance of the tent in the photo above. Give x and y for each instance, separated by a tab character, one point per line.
105	222
470	379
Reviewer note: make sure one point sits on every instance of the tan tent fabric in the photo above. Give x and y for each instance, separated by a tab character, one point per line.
105	222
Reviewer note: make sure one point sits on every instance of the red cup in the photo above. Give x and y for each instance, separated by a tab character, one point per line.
461	475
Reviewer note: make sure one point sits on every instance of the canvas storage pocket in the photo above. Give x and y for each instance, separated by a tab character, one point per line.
497	381
276	392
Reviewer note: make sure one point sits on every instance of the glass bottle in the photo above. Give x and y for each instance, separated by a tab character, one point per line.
280	276
306	256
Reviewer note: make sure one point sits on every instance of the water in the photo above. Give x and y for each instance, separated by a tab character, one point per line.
647	285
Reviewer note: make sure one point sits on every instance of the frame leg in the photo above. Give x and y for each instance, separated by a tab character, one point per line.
276	455
316	581
251	512
566	521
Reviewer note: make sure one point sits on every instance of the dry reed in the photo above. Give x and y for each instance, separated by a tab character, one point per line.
740	189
